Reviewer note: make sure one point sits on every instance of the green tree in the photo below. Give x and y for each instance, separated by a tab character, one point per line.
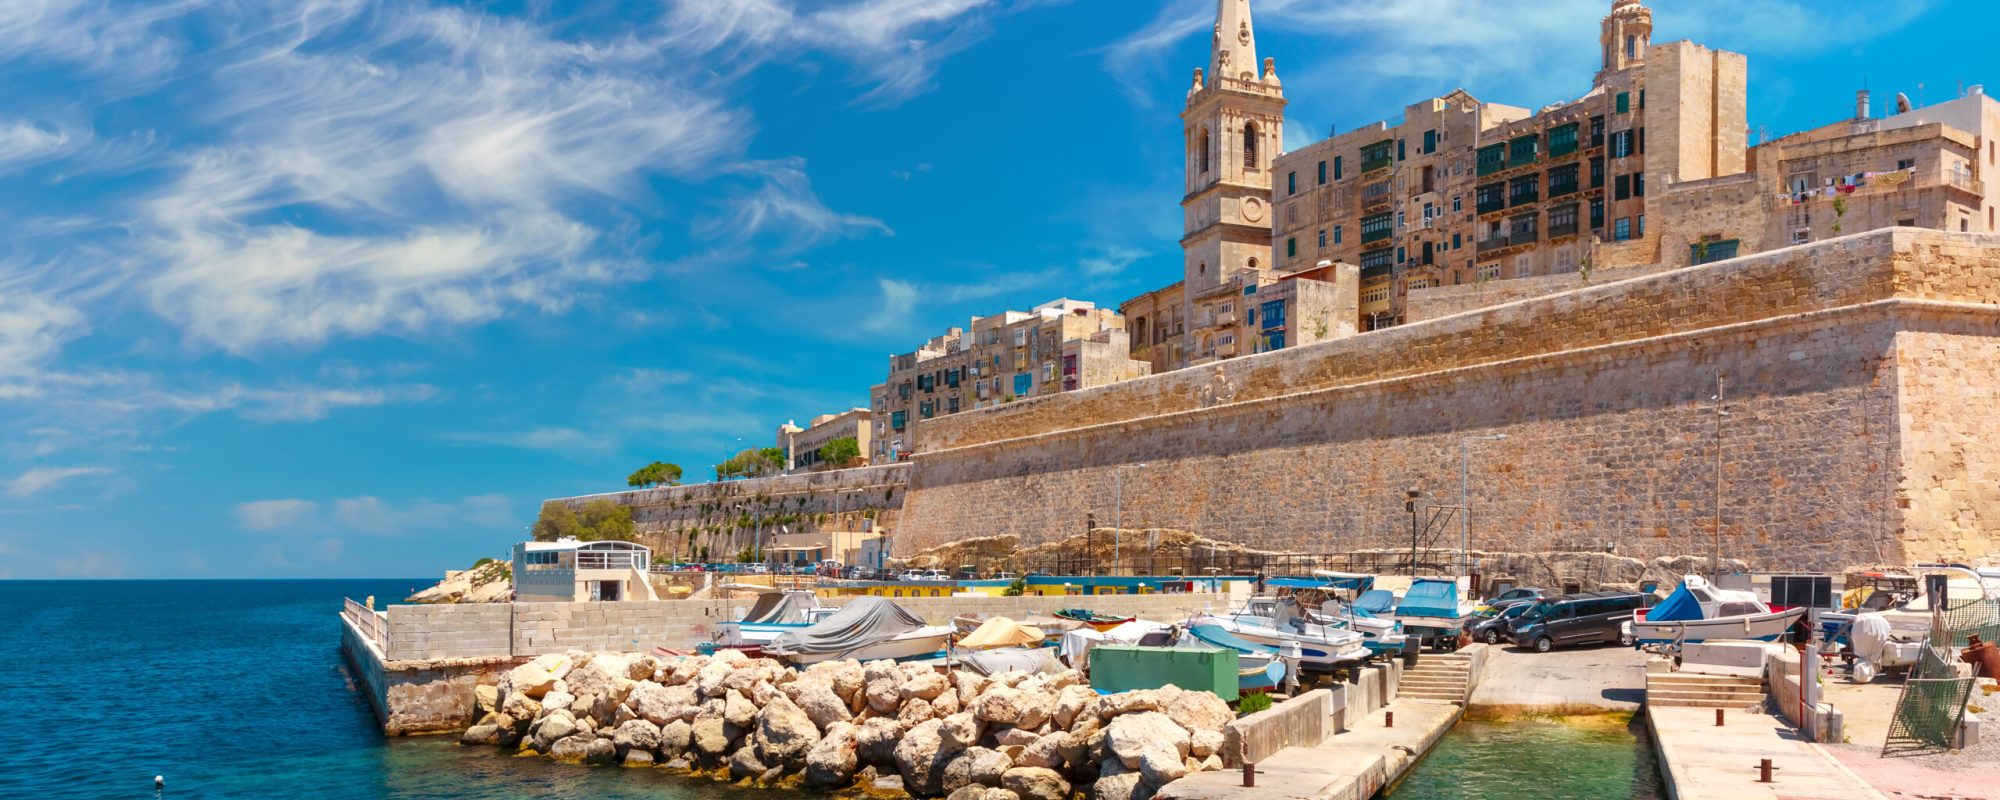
598	520
658	473
557	521
752	463
840	452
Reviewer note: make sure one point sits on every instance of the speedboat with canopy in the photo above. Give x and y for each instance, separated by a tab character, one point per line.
773	613
1333	599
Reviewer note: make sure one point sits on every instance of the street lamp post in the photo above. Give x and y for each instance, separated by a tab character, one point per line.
1410	496
1465	499
1715	560
1118	511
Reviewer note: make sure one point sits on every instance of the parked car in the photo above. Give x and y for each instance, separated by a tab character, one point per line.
911	575
1577	619
757	569
934	575
1499	627
1512	597
1006	576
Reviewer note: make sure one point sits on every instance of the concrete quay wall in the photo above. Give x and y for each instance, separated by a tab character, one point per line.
1853	371
524	630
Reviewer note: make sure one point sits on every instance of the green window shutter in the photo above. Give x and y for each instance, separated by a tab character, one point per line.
1292	247
1624	102
1336	167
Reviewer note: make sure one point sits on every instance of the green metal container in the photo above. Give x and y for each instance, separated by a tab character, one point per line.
1122	668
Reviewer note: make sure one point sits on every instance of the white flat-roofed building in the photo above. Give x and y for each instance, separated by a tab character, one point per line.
568	570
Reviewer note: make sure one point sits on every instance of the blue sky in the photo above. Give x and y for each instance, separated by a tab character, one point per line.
345	288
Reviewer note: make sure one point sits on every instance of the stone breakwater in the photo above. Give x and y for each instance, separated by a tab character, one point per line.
879	725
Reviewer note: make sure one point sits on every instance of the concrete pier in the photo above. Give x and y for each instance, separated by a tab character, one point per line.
1700	761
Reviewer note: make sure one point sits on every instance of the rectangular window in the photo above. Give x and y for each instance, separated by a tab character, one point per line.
1562	140
1322	173
1492	158
1322	244
1376	227
1399	255
1457	203
1642	141
1336	167
1455	241
1597	173
1274	314
1491	197
1522	150
1427	253
1274	341
1622	188
1621	144
1430	141
1711	250
1638	184
1562	180
1378	155
1399	150
1621	230
1642	98
896	420
1596	131
1596	213
1292	247
1906	163
1291	183
1375	263
1642	226
1524	190
1562	221
1624	102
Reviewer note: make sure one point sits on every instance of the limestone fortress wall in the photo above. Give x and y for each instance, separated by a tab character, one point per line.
1861	377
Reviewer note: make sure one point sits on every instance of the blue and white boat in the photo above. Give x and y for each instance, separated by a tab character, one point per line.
1698	611
1278	621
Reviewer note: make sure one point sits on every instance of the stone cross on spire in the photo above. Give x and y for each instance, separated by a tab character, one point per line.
1233	53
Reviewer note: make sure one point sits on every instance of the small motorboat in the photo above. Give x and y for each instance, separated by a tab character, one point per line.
866	629
775	612
1434	610
1278	621
1698	611
1333	599
1101	622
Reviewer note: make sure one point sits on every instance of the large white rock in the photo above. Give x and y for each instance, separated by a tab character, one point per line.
1130	702
960	730
1198	711
1205	743
711	738
737	710
1129	735
1035	783
1071	701
1045	752
1000	705
539	675
709	680
553	728
819	701
921	756
636	734
915	710
975	765
876	739
1160	765
675	738
659	704
834	759
784	734
927	685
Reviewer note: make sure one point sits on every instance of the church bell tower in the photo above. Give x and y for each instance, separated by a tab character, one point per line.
1234	125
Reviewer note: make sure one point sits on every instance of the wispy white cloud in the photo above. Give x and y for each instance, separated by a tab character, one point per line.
33	329
271	515
43	479
369	514
1110	260
782	207
560	440
899	302
23	143
895	45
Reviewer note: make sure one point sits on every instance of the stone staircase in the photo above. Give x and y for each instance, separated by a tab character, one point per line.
1694	690
1442	678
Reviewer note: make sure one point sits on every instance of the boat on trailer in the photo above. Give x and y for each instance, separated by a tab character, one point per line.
1434	610
1699	611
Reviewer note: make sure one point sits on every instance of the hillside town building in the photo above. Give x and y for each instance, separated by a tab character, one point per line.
1062	345
802	445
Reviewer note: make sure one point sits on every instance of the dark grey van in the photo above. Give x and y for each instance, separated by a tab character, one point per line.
1577	619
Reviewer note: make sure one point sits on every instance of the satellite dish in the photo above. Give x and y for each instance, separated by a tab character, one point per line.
1902	102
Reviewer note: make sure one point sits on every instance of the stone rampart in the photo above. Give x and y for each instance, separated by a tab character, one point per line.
1443	301
1853	372
724	516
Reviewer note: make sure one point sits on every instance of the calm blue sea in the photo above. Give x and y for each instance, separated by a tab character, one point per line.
234	689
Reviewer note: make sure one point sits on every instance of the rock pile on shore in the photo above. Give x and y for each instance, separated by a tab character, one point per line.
839	723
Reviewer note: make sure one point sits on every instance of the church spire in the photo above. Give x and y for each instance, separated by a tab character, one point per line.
1233	53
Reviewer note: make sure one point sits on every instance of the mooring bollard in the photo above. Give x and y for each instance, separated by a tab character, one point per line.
1388	719
1718	718
1249	775
1764	770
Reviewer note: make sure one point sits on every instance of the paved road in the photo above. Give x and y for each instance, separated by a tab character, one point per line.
1586	679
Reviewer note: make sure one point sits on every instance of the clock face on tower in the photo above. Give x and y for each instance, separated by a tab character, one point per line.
1253	209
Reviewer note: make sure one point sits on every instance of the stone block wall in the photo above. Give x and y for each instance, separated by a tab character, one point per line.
1604	395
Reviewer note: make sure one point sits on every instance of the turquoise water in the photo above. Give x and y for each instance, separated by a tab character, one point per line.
235	689
1534	760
